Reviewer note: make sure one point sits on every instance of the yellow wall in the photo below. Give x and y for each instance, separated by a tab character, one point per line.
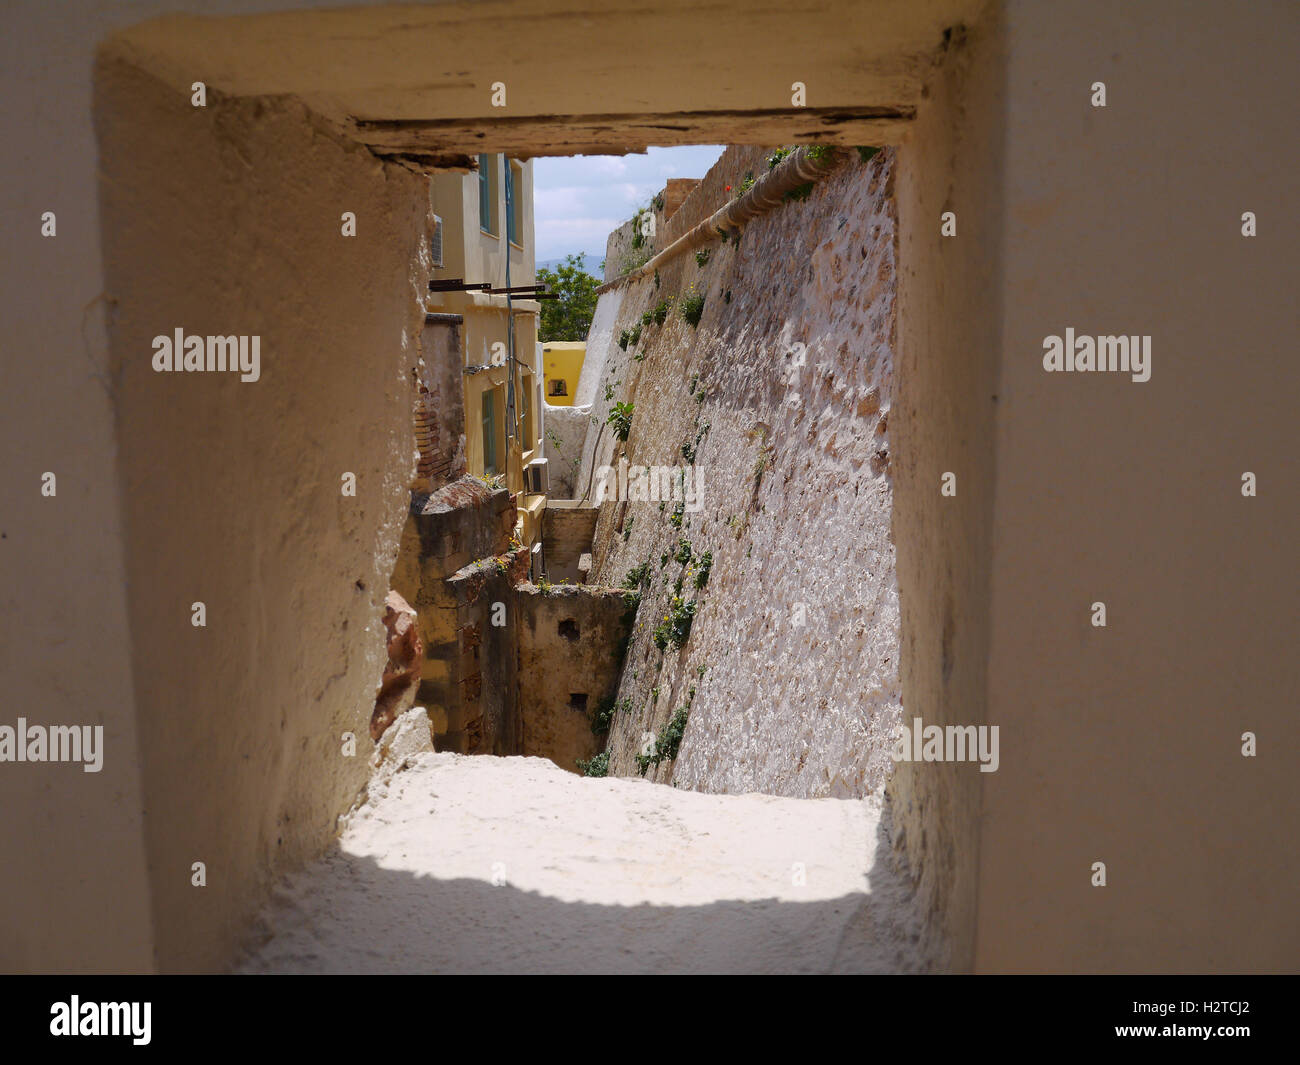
475	255
562	361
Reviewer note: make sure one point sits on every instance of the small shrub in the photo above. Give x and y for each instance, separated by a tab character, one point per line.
660	313
799	192
675	518
692	307
600	721
638	575
621	419
631	603
819	153
623	339
702	568
702	257
777	156
684	553
670	739
596	766
634	337
675	628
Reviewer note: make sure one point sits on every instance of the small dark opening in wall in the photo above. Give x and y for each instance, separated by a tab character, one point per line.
569	630
578	701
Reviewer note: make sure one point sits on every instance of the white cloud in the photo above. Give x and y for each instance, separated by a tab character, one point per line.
579	200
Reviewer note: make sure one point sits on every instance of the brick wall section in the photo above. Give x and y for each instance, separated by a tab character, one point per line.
570	643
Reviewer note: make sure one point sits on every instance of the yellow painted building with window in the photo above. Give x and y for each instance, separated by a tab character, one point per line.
561	367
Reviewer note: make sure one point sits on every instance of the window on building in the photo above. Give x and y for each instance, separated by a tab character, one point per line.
559	387
490	433
515	203
487	193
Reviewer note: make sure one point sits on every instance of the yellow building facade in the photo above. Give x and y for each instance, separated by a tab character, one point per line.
561	367
486	234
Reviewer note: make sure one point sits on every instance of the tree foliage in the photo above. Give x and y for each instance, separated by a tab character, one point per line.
569	317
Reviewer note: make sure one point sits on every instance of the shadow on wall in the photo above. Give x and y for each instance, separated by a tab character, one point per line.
346	913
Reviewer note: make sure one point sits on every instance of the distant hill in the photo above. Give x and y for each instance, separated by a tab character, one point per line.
590	262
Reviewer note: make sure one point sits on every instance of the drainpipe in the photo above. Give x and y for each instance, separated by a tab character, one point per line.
768	192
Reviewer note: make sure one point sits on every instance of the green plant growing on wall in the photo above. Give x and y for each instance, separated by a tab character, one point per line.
684	553
545	587
745	186
656	279
600	720
558	444
774	160
638	575
692	307
658	202
597	766
660	313
623	338
631	603
865	154
634	260
675	518
620	419
627	527
702	257
702	567
695	380
638	231
799	193
669	741
688	451
675	628
654	694
609	393
635	337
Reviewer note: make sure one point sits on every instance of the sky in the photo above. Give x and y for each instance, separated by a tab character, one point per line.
578	200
